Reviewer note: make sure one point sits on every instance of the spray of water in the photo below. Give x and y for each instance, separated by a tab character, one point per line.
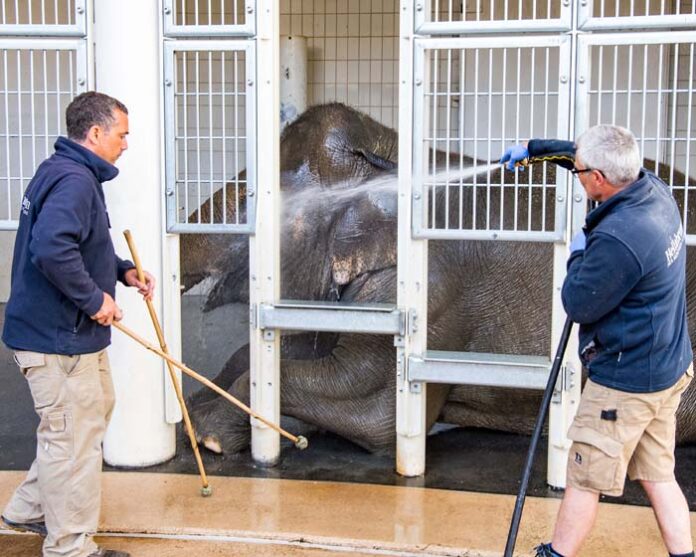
382	189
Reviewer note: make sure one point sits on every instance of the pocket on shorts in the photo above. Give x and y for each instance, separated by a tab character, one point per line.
594	459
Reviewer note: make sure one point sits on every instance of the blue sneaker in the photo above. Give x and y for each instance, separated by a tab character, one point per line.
32	527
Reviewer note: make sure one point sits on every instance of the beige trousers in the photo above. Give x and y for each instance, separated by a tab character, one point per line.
74	397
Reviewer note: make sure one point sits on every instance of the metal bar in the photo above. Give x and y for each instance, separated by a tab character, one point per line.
470	368
223	132
673	126
7	134
495	234
20	116
639	22
490	26
689	110
184	103
659	110
198	130
210	129
236	137
333	319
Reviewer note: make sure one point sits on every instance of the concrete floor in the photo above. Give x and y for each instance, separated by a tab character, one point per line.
429	515
166	516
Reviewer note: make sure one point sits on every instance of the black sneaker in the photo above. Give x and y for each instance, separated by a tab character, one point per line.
544	550
109	553
32	527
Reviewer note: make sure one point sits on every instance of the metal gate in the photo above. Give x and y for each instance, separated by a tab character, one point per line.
210	116
43	65
510	70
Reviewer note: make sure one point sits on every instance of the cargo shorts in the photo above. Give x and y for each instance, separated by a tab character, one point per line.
615	433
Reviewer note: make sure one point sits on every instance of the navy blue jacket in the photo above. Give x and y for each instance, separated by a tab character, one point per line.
63	257
627	289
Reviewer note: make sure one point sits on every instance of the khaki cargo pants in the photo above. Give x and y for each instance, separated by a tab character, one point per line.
74	397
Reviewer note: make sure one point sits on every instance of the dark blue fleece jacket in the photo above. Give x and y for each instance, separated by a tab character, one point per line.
627	289
63	257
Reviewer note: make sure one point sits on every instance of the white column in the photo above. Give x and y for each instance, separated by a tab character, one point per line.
264	246
127	57
412	276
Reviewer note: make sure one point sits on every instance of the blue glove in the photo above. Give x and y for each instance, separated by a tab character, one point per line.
578	242
514	155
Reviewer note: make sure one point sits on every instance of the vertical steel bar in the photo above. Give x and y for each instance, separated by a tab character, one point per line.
673	126
8	143
489	133
16	13
45	96
546	134
689	110
211	165
185	104
462	99
448	108
517	132
433	139
210	13
58	115
20	115
223	131
644	105
198	129
503	138
55	12
33	111
4	17
474	181
658	104
629	87
600	90
615	84
532	67
43	12
30	13
237	89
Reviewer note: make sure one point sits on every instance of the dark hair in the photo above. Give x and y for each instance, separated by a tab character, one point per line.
91	109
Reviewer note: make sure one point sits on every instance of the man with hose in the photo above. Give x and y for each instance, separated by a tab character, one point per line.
625	287
57	321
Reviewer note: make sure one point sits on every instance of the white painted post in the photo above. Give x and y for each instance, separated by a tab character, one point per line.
412	274
264	246
129	69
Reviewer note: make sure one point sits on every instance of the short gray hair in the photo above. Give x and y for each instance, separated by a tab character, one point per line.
613	150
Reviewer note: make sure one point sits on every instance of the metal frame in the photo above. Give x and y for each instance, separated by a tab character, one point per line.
424	26
471	368
170	48
247	29
582	108
78	29
380	319
80	81
420	195
587	22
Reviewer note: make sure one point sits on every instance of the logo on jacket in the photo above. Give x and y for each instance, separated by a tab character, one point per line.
675	246
25	205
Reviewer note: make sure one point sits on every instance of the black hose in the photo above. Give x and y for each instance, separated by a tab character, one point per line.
541	417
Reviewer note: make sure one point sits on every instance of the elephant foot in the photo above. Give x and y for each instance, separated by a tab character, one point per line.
212	443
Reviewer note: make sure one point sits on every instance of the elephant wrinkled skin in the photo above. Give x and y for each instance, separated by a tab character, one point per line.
338	242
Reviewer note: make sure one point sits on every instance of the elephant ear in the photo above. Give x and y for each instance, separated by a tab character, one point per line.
365	236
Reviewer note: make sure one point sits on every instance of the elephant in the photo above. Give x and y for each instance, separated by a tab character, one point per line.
338	243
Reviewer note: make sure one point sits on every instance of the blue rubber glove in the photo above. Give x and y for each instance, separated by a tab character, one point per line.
513	155
578	242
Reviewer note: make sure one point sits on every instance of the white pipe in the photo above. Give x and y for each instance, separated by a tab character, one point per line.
293	78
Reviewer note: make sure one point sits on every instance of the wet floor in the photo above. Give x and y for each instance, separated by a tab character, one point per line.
164	515
457	459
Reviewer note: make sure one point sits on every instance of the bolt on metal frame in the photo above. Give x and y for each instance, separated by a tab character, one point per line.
44	63
210	131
